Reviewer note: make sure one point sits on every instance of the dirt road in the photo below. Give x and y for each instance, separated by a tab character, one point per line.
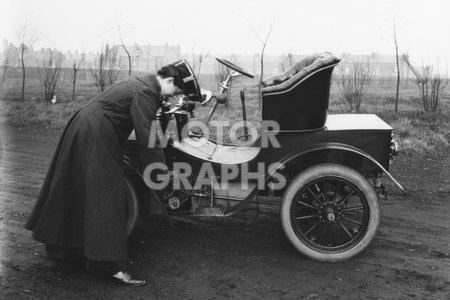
246	256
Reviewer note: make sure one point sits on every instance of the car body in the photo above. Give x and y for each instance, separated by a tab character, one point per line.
324	168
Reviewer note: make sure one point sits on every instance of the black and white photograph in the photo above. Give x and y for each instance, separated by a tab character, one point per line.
224	149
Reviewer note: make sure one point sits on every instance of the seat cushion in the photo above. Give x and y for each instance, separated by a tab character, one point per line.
297	72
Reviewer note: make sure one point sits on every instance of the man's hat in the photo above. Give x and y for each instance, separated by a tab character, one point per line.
190	85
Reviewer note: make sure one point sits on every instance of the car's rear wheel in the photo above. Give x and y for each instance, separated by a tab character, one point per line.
132	204
330	212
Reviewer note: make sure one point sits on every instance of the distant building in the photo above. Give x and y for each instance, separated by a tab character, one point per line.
149	58
380	65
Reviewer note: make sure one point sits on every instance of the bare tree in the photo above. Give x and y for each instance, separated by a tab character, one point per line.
264	44
147	52
122	44
287	61
4	69
137	50
128	55
200	58
221	72
106	68
157	63
73	73
398	68
354	83
50	71
196	62
26	37
430	84
394	40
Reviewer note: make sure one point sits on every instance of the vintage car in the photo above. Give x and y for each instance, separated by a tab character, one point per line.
323	169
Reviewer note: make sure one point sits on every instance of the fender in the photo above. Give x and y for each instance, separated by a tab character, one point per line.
327	146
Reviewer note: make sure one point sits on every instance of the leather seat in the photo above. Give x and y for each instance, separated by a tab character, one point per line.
297	72
298	98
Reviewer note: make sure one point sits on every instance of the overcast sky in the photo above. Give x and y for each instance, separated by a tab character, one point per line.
224	27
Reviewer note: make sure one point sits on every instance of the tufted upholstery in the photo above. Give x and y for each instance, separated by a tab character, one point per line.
297	72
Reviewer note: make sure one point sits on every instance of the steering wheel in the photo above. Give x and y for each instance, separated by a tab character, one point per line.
234	67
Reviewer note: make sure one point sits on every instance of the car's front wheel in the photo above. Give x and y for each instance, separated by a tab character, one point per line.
330	212
132	204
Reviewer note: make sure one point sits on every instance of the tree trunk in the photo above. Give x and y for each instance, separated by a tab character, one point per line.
129	60
398	72
261	76
75	71
23	72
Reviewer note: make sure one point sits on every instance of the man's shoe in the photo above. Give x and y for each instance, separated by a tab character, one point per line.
124	278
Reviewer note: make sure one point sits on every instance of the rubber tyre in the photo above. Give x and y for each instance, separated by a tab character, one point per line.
132	204
330	170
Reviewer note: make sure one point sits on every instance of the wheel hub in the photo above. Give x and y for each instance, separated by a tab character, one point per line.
331	217
330	212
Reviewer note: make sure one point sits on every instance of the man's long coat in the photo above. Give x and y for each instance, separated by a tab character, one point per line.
82	201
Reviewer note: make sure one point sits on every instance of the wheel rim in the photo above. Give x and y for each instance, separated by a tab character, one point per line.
130	220
131	206
330	214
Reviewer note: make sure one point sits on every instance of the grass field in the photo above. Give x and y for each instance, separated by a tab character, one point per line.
414	129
